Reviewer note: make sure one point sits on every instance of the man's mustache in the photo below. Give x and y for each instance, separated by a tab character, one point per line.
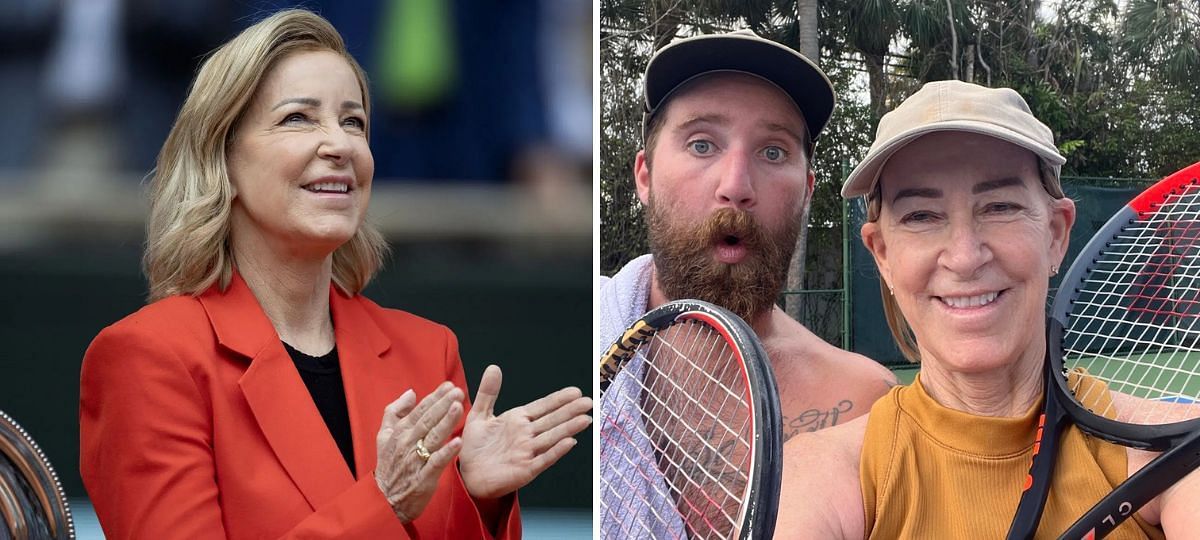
733	226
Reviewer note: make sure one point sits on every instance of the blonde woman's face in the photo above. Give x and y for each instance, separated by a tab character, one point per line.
300	165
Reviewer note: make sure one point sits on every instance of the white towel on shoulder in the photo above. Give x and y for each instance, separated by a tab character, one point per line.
621	300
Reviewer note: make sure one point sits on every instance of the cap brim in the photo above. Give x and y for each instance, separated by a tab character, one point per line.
862	179
798	77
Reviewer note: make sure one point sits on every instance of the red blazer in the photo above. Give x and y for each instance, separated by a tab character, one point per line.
195	424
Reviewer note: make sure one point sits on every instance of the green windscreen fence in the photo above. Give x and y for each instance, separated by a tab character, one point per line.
869	334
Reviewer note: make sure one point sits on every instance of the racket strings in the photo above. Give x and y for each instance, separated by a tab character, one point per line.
642	520
679	423
1173	294
1135	321
1130	371
634	502
684	390
663	416
686	506
635	498
699	454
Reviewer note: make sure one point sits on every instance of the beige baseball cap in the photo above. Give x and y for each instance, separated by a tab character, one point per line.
954	106
741	51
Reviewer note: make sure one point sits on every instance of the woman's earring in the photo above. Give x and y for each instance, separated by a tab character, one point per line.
1054	269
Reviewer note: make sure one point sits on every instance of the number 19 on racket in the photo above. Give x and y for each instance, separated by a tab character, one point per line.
1123	353
689	428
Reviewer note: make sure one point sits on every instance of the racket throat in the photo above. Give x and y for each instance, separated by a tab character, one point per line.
1036	487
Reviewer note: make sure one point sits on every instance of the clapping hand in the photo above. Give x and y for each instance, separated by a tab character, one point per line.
503	453
414	445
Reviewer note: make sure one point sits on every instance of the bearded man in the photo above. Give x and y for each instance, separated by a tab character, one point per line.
729	127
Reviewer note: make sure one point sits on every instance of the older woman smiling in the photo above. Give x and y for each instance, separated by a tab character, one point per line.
967	221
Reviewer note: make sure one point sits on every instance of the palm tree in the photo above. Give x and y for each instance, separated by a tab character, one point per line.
808	28
1163	34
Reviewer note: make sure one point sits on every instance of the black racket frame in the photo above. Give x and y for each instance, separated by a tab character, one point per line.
1179	440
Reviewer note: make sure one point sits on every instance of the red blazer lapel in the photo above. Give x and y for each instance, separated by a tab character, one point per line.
280	402
370	381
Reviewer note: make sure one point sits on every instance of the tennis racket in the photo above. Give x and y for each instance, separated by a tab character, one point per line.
32	502
689	428
1127	315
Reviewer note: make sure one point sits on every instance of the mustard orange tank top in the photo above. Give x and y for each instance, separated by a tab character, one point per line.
928	471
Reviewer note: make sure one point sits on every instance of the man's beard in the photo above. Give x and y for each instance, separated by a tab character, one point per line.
686	268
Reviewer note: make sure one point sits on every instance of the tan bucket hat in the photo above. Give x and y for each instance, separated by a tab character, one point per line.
954	106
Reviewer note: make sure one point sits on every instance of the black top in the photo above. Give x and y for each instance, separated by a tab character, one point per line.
323	377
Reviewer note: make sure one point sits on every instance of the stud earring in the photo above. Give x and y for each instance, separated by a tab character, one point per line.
1054	269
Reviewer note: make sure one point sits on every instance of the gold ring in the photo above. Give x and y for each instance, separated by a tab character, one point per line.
422	452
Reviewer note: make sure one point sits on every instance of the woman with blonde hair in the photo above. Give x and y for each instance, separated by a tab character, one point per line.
260	395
